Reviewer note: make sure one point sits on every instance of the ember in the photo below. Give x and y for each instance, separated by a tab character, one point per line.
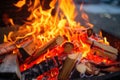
50	47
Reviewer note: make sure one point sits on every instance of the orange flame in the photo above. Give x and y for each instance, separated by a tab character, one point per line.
43	26
20	3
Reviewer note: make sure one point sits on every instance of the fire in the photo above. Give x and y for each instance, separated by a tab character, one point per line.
86	49
43	26
105	41
20	3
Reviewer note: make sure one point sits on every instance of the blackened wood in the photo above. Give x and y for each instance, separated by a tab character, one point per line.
40	68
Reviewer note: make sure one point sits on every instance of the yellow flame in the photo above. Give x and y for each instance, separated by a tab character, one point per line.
105	41
5	38
85	49
44	26
20	3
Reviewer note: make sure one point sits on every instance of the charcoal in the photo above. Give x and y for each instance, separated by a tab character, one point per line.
40	68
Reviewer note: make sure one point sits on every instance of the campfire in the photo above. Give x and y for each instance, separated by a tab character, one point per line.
56	47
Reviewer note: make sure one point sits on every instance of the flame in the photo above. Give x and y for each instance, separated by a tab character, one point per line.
44	26
85	49
68	10
105	41
20	3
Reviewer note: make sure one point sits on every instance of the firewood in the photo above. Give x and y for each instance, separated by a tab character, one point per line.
104	47
81	30
87	68
41	68
68	46
104	54
103	50
7	47
112	39
48	46
91	69
111	69
9	68
27	49
68	66
102	65
81	68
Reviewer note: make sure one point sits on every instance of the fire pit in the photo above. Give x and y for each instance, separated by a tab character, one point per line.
56	47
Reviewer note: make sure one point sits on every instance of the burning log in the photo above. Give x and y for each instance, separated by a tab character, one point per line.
104	54
7	48
104	47
40	68
87	68
68	66
103	50
48	46
27	49
9	68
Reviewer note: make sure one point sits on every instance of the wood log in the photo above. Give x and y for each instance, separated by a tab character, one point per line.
103	66
48	46
9	68
87	68
111	69
91	69
68	66
27	49
102	46
68	47
41	68
103	50
104	54
81	68
113	40
6	48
